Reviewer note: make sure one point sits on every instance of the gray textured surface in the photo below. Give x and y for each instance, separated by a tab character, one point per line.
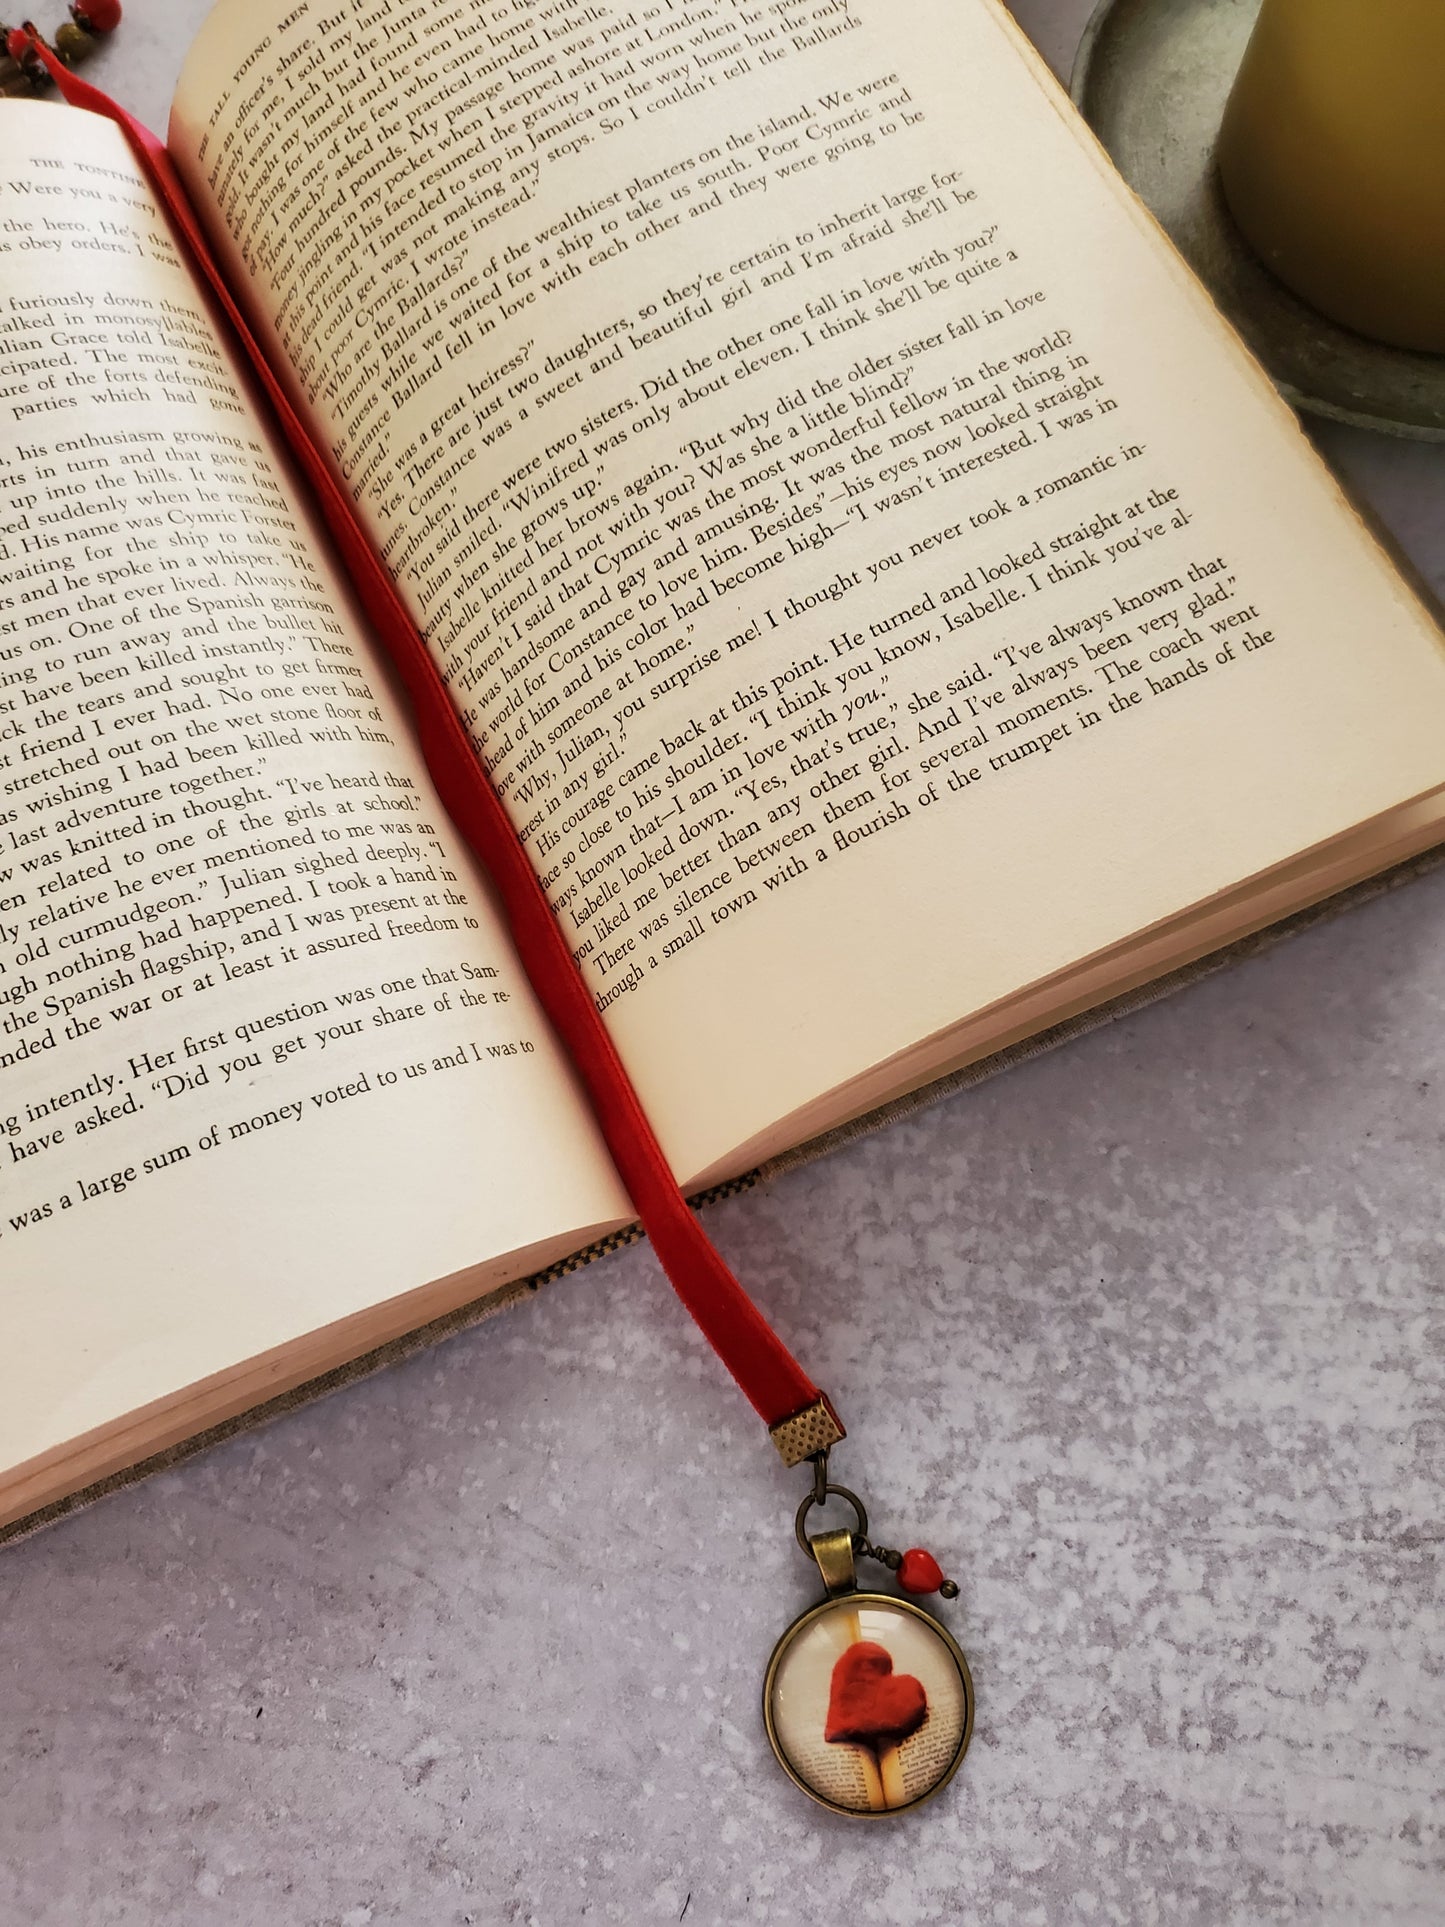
1143	1339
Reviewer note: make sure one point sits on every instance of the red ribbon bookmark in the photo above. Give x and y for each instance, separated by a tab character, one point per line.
772	1379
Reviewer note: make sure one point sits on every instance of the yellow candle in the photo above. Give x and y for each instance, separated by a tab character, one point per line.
1332	156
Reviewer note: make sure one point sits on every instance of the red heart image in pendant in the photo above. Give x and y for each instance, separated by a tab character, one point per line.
870	1703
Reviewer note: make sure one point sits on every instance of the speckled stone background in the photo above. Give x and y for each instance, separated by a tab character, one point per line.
1143	1338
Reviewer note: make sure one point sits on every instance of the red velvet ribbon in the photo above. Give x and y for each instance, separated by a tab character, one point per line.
767	1372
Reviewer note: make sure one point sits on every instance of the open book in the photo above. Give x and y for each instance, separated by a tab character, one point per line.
896	613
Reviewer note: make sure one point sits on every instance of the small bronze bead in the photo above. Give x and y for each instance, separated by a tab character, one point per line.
72	43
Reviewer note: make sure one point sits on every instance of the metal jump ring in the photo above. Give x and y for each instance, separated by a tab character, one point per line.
830	1491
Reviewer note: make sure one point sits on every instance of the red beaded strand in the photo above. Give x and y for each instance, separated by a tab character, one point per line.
21	68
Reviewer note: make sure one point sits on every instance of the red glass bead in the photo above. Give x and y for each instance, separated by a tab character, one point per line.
919	1571
96	16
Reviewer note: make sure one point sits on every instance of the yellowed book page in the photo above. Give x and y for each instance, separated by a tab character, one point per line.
267	1056
874	577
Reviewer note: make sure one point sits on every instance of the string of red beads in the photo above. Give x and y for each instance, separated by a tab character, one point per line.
74	40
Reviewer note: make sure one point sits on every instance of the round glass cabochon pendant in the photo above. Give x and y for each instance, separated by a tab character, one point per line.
868	1704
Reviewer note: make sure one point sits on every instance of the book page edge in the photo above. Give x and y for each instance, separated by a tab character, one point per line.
499	1298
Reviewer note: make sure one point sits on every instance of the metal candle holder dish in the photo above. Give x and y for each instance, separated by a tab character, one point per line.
1151	78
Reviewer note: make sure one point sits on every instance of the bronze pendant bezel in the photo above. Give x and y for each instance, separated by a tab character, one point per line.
845	1602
